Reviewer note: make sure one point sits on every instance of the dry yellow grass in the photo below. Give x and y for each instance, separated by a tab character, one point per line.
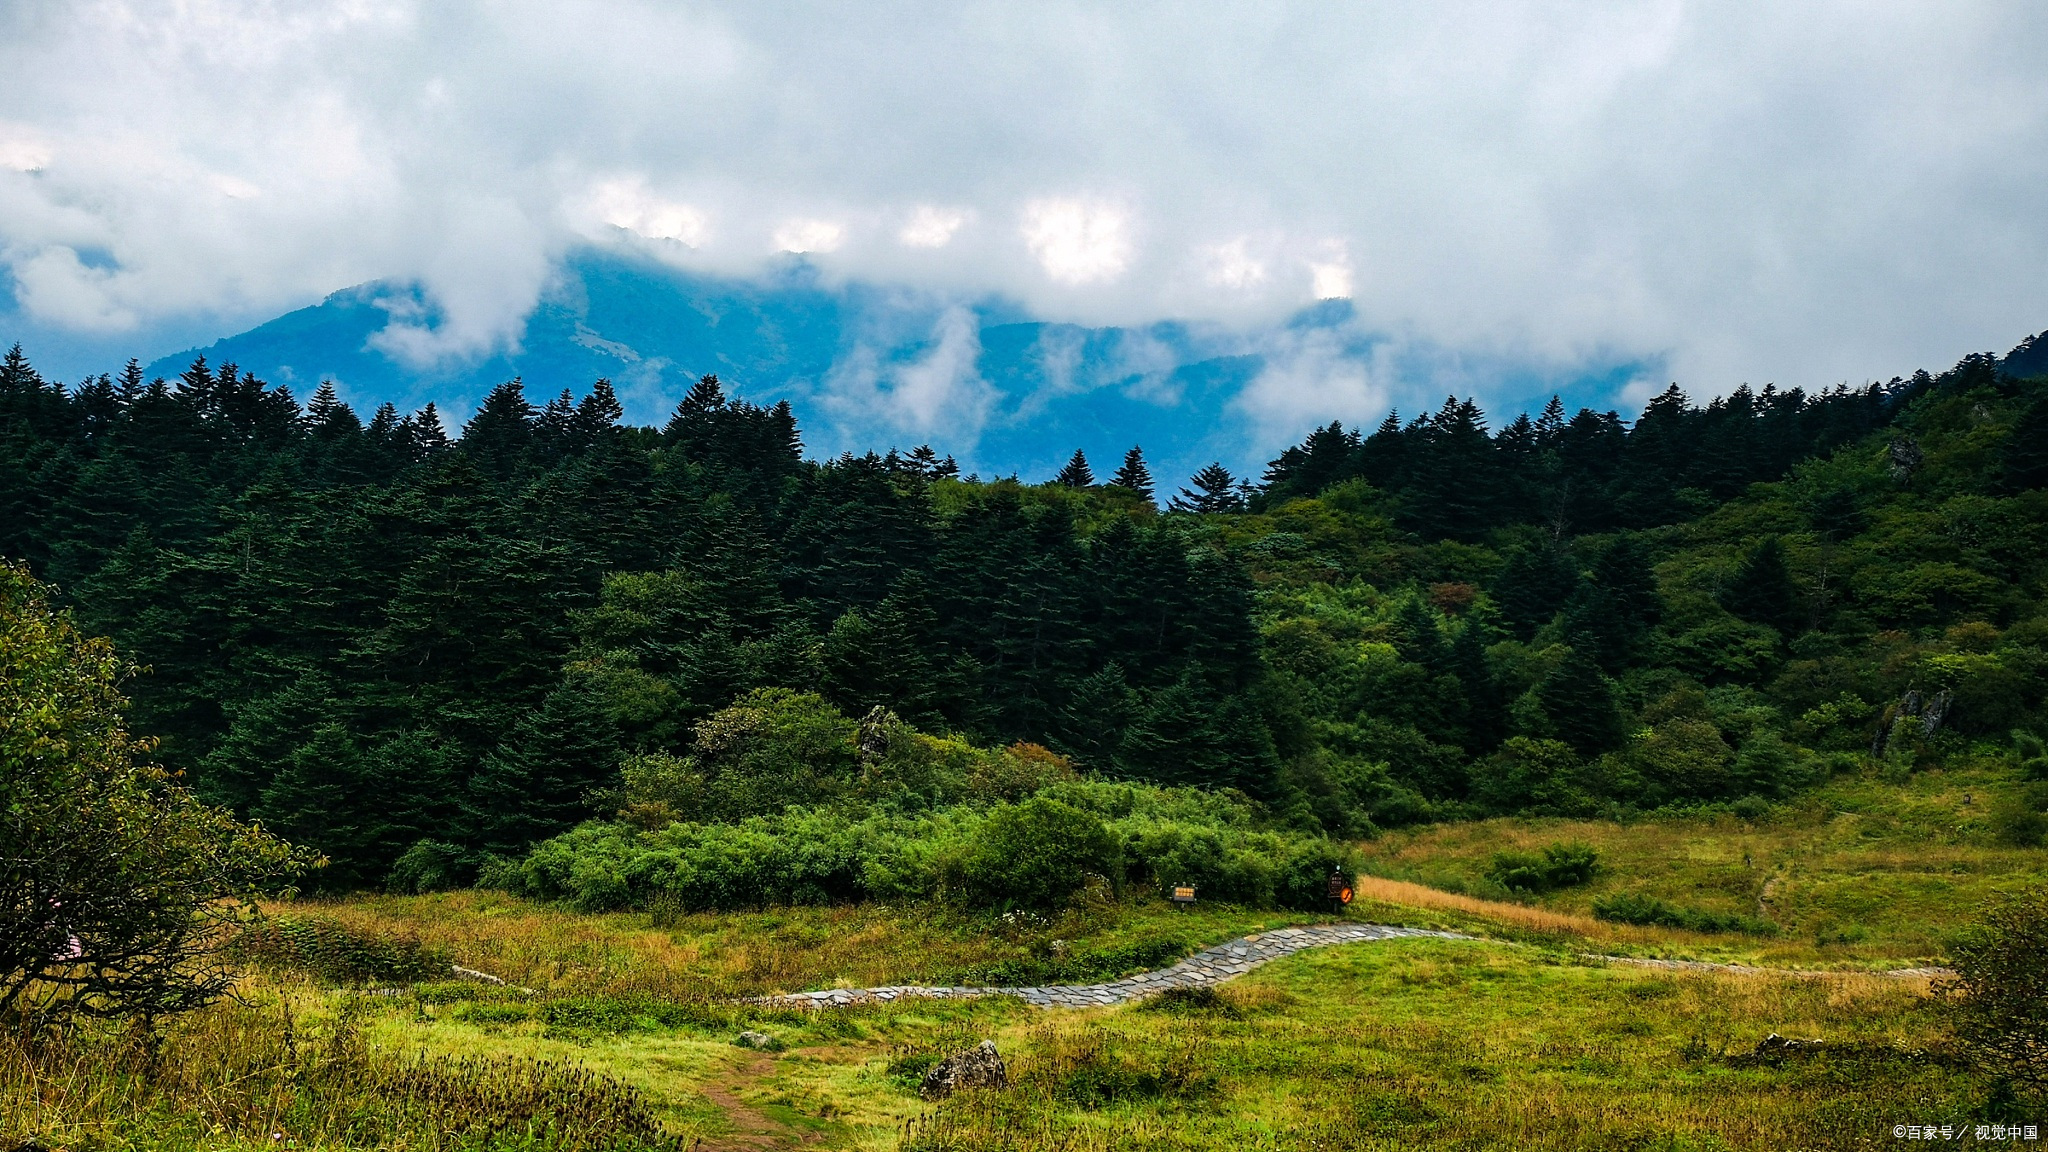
1401	892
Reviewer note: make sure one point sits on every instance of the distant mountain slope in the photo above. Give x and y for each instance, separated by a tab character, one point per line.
873	366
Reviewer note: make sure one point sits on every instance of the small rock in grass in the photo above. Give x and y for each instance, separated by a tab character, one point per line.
758	1041
976	1067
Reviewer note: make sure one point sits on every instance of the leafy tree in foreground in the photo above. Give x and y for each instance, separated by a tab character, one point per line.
1998	998
116	885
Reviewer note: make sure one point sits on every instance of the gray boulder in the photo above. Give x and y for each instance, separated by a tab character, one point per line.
976	1067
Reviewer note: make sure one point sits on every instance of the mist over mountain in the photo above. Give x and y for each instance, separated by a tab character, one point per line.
871	367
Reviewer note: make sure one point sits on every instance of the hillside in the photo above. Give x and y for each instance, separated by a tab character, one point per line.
368	637
645	723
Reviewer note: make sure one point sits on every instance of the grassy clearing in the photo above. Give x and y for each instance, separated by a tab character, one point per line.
1472	1045
1449	1044
713	955
1511	1042
1857	874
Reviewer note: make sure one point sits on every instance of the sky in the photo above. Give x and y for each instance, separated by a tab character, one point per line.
1805	193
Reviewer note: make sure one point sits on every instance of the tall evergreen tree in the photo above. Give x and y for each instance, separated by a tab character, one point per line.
694	427
1486	711
1532	586
499	436
1761	591
539	781
2025	459
1133	476
1580	705
1623	571
1076	474
1215	490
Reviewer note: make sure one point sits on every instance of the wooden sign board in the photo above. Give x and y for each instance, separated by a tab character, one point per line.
1184	894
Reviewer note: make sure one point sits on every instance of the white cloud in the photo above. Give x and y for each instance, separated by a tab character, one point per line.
626	203
1232	265
1330	277
937	392
809	235
55	283
1312	376
22	149
1077	241
1807	192
931	227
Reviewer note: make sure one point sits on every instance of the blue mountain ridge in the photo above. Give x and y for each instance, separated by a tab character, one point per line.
858	362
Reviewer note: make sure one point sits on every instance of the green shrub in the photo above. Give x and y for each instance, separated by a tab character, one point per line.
1033	854
1081	965
431	866
1557	866
1633	908
1038	854
2021	819
2031	754
1998	998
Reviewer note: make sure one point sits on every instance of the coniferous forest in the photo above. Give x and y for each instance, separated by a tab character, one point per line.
420	655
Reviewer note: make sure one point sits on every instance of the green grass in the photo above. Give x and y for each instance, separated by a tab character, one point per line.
1516	1042
1387	1045
1859	873
711	955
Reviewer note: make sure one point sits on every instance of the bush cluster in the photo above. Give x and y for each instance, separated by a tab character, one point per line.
1634	908
1035	853
1558	866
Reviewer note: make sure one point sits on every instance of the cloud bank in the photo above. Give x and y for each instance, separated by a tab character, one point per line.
1802	192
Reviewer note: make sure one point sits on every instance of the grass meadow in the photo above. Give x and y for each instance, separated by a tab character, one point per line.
617	1031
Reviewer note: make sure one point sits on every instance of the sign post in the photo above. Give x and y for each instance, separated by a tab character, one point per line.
1184	894
1340	890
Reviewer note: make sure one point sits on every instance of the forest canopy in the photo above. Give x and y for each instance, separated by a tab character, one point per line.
367	635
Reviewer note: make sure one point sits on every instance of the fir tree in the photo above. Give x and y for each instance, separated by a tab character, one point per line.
537	783
1215	491
327	417
597	415
1624	572
420	435
2026	447
1420	641
554	432
501	433
1550	425
1532	586
1486	711
1133	476
1580	705
1076	474
694	427
1761	590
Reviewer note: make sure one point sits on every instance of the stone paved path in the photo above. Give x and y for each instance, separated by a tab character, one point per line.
1210	966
